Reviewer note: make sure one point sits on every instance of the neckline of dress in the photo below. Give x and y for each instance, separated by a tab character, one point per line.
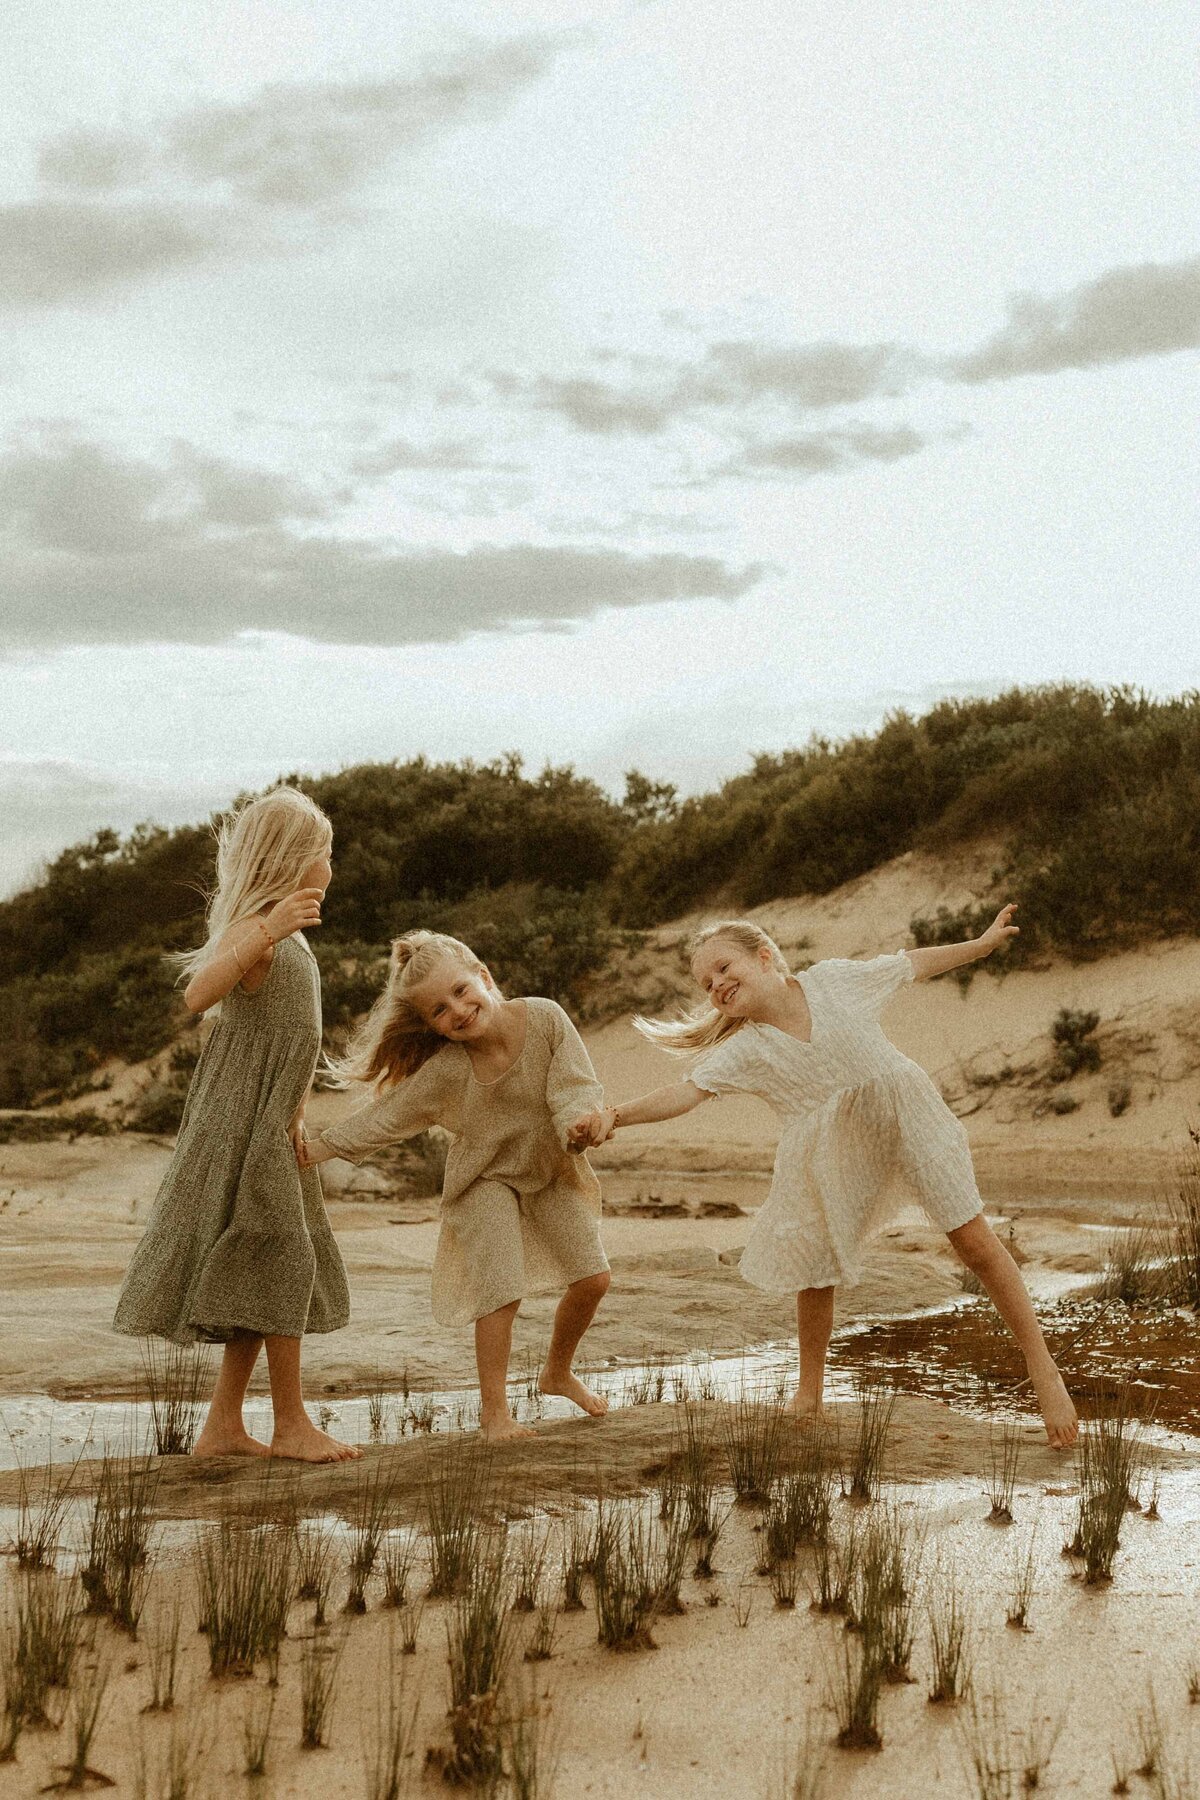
804	1043
504	1073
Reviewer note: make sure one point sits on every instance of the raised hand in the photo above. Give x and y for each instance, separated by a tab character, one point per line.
295	913
1001	928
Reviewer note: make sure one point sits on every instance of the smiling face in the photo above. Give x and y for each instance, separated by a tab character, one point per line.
457	1001
737	981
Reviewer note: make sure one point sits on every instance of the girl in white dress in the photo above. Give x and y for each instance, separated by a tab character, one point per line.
864	1130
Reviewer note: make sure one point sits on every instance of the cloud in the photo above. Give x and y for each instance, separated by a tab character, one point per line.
819	452
1151	309
104	548
122	206
56	250
449	454
1126	313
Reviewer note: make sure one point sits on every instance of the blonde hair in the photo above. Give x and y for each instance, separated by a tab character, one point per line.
704	1026
394	1040
263	848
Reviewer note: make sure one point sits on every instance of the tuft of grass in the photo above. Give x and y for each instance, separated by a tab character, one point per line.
1150	1737
706	1538
663	1555
1004	1457
578	1558
743	1604
805	1774
1131	1271
876	1404
172	1774
835	1568
529	1562
1023	1582
245	1579
753	1436
1039	1740
457	1494
117	1569
319	1660
479	1643
257	1714
377	1409
1109	1454
87	1704
398	1550
987	1750
626	1583
40	1514
162	1654
543	1630
948	1632
46	1643
530	1751
409	1618
176	1377
1181	1231
694	1454
368	1521
854	1690
12	1692
784	1580
314	1547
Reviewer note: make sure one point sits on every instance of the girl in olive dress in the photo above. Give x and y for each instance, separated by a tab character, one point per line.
238	1249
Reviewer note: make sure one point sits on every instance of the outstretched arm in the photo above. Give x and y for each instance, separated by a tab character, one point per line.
663	1103
938	959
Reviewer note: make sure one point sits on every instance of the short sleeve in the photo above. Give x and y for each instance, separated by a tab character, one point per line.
571	1085
733	1066
414	1104
868	986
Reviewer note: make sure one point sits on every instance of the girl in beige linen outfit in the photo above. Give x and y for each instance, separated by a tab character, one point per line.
863	1130
506	1078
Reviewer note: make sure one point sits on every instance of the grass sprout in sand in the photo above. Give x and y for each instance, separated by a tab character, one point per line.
12	1692
753	1435
804	1775
528	1564
257	1714
46	1643
388	1740
799	1507
855	1686
173	1771
882	1600
398	1550
876	1403
319	1660
948	1636
628	1580
177	1377
480	1636
315	1554
1183	1231
40	1514
368	1519
1109	1453
543	1630
1004	1457
578	1557
116	1571
1023	1582
457	1495
836	1563
162	1653
87	1703
530	1752
245	1578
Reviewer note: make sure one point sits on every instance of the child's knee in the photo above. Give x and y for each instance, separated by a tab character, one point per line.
593	1287
975	1243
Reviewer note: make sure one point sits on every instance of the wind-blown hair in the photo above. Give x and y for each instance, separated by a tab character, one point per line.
394	1040
263	848
704	1026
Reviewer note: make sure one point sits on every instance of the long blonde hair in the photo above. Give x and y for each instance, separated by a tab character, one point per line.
704	1026
394	1040
263	848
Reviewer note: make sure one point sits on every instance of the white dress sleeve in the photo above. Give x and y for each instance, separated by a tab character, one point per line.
868	986
734	1066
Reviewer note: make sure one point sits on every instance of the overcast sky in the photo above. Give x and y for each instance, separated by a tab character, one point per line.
623	384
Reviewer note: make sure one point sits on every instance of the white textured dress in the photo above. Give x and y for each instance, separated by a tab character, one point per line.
865	1130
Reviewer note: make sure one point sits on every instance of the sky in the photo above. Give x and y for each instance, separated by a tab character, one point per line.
628	385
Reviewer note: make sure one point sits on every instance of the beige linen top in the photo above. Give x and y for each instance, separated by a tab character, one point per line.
510	1130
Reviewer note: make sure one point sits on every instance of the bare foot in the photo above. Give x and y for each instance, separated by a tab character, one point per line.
1058	1412
212	1442
573	1389
304	1443
804	1409
499	1430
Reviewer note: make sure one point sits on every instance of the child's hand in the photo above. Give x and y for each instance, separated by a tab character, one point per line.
1000	929
312	1151
594	1128
296	913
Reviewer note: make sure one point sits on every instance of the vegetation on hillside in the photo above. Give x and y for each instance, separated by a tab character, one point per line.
1095	797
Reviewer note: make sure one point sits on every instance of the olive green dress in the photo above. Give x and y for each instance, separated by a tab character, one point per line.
238	1239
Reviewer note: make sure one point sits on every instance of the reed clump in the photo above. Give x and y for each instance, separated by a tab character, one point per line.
177	1377
855	1691
41	1507
1004	1459
458	1494
117	1568
319	1662
627	1581
162	1653
949	1641
876	1403
245	1576
479	1643
369	1515
388	1742
87	1704
753	1436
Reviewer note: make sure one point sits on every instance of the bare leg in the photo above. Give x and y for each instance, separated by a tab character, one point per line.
295	1435
814	1326
574	1314
493	1344
982	1251
223	1432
